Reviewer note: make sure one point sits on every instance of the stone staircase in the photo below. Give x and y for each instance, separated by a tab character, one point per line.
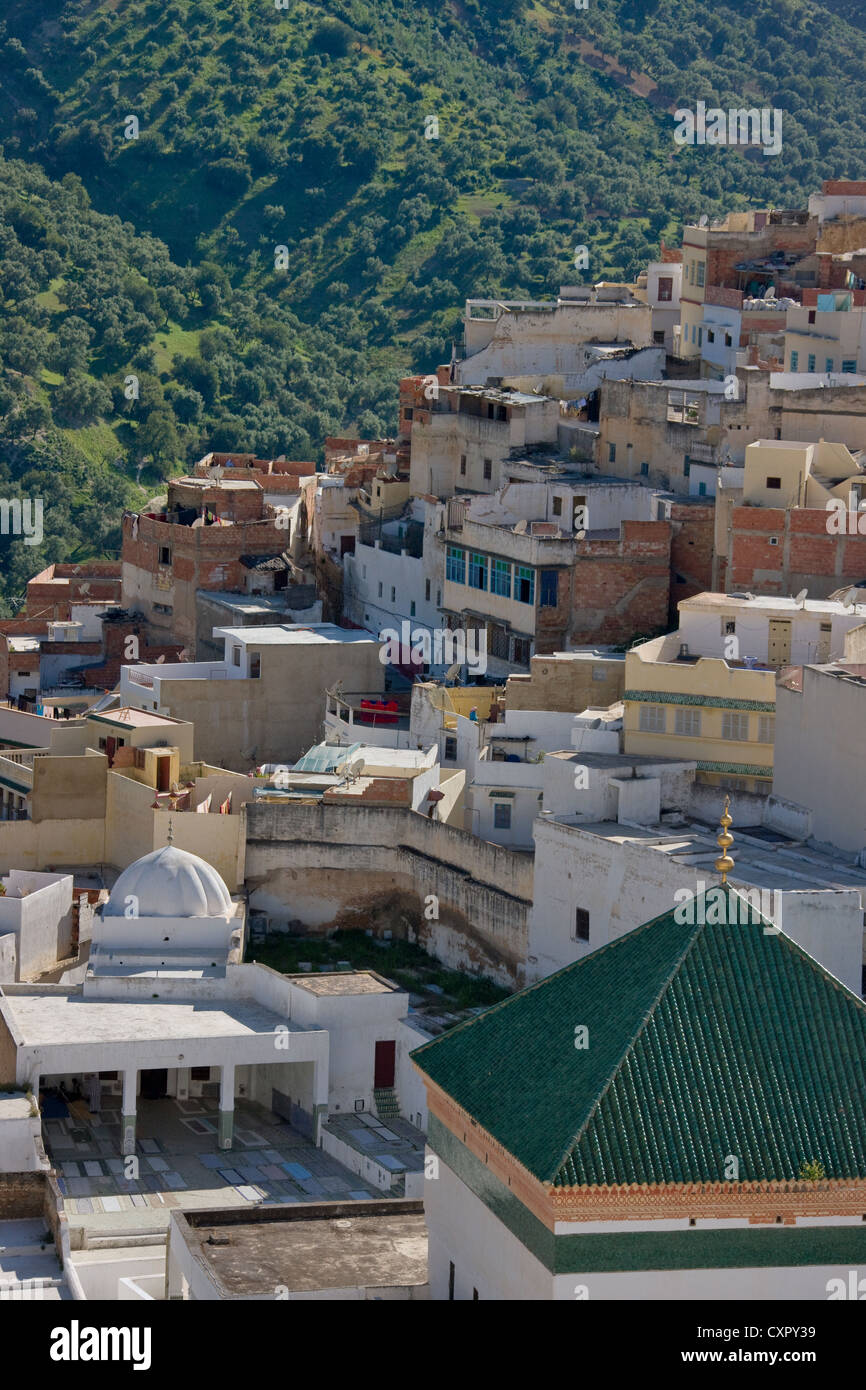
386	1103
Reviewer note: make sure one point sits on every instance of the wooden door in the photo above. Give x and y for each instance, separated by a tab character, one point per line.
386	1054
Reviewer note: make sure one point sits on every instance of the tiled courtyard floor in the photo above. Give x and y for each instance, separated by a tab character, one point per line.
180	1165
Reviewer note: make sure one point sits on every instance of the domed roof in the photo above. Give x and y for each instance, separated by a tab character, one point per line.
170	882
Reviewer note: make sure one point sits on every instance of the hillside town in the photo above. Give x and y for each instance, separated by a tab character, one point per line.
480	812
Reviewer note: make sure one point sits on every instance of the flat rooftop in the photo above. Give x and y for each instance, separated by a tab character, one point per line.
344	982
290	634
132	717
65	1016
763	857
769	604
331	1245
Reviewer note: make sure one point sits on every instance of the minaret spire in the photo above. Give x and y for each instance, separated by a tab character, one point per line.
724	841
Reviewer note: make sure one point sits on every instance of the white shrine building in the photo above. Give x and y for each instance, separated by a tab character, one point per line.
167	1007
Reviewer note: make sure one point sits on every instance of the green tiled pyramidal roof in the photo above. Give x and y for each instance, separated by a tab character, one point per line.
704	1041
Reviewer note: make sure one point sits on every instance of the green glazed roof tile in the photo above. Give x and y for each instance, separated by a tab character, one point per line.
704	1041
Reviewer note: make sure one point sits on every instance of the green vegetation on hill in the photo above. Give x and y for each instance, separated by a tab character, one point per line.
281	241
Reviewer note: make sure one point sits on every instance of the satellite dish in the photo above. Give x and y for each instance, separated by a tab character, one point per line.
453	671
770	292
852	598
359	767
705	221
802	596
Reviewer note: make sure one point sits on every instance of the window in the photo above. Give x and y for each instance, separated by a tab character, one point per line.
165	554
766	728
363	571
524	584
581	924
795	361
463	464
611	453
450	748
451	1281
426	590
774	482
500	578
687	722
379	595
408	414
163	608
811	361
735	727
502	815
666	289
412	609
488	469
393	594
711	337
811	315
549	588
653	719
828	364
687	467
455	565
659	336
644	470
702	489
849	365
702	271
102	745
700	337
520	653
255	665
236	656
729	627
729	342
438	598
477	571
557	506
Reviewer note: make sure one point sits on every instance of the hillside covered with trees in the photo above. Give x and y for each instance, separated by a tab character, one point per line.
224	224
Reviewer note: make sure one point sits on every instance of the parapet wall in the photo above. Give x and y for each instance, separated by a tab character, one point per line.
381	868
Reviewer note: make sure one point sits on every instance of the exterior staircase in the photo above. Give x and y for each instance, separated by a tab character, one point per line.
386	1103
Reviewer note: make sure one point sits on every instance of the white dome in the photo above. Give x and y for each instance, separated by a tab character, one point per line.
170	883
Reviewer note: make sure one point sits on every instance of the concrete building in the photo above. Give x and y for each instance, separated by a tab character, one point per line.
263	702
707	691
52	592
351	1252
461	437
624	837
561	348
664	281
35	923
818	708
591	1166
827	333
788	520
568	559
103	791
569	681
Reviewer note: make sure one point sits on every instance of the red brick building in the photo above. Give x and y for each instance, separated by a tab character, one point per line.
197	543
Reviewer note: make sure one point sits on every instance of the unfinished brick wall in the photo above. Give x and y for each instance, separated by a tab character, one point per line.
692	546
772	551
620	587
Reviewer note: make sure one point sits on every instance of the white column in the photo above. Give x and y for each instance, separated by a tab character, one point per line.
127	1112
227	1105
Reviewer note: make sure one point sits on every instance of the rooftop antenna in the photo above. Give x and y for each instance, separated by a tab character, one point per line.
724	841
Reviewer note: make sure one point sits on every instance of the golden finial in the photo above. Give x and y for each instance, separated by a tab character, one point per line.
170	836
724	841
